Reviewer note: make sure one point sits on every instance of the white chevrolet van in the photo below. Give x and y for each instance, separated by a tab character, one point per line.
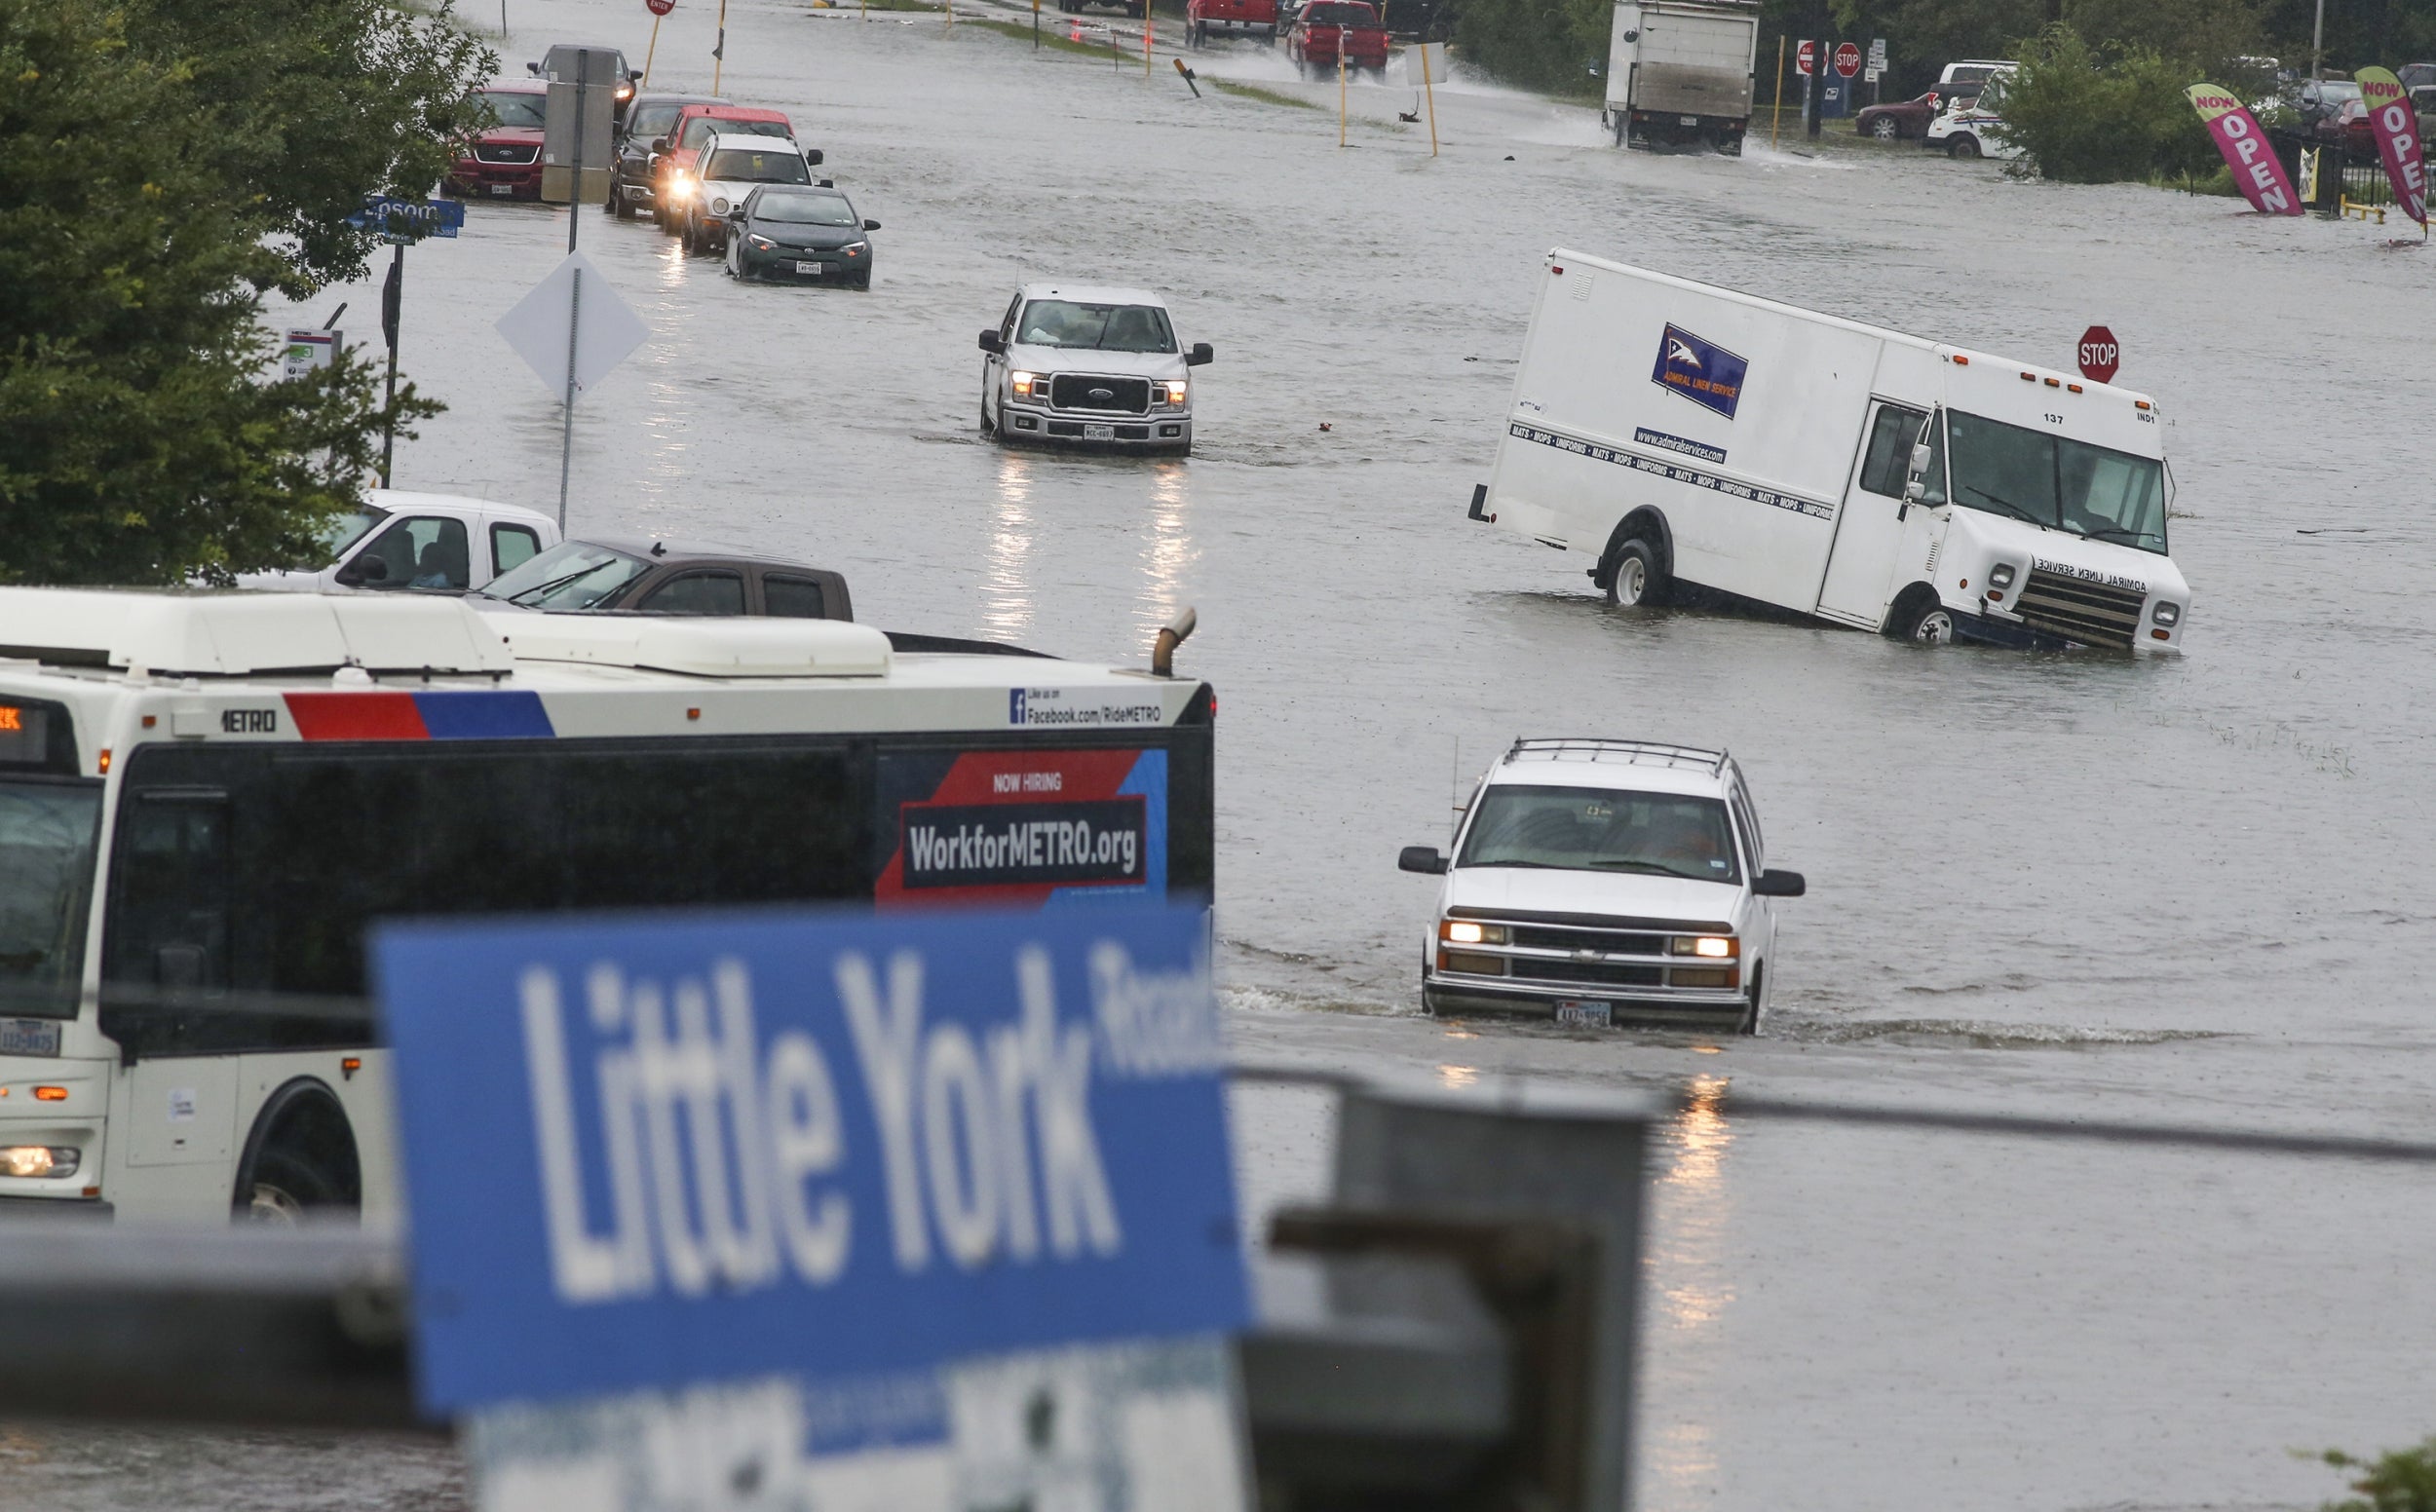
1602	881
1684	433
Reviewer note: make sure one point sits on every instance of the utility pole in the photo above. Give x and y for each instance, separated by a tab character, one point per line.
2317	44
392	297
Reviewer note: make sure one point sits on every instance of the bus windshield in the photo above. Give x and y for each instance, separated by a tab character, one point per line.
46	833
1593	829
2053	480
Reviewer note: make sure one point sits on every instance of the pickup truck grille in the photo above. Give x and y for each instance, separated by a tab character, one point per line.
2095	614
1105	395
1541	937
507	152
1602	972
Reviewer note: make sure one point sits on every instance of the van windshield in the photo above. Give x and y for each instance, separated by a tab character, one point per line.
2051	480
46	833
1593	829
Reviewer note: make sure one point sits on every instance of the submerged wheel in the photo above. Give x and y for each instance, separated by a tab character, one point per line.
1638	579
1750	1024
1931	627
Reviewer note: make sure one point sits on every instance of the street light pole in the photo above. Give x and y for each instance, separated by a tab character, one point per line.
2317	44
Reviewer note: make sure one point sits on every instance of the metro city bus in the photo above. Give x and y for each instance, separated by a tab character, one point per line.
206	798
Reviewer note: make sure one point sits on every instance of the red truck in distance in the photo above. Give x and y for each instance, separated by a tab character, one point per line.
1329	27
1231	14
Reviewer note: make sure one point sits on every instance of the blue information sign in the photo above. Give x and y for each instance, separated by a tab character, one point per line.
648	1152
409	220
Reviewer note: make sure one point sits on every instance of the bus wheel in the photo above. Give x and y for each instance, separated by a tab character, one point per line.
300	1159
1638	579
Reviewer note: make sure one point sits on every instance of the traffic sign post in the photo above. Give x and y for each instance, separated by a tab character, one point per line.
400	223
659	10
710	1208
1848	58
1806	58
2101	355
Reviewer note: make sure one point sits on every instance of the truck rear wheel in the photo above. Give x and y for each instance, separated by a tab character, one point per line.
1638	581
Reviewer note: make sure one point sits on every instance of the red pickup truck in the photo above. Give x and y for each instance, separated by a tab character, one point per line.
1327	27
1231	13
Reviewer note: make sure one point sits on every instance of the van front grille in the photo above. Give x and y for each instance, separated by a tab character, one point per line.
2095	614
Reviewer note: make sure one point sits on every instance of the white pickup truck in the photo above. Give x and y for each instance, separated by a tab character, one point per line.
1685	434
397	540
1599	882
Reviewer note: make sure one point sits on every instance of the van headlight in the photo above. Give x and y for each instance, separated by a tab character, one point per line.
2166	614
2000	576
1466	931
38	1160
1717	947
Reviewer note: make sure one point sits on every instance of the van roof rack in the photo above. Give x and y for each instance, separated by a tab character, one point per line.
1637	752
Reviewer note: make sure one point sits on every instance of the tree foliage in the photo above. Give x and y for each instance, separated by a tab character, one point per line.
2400	1479
150	192
2092	117
1559	46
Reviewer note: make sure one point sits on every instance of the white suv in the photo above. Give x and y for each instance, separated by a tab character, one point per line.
1600	882
730	167
1089	368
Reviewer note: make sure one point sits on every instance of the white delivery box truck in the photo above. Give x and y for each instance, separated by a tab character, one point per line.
1689	434
1679	72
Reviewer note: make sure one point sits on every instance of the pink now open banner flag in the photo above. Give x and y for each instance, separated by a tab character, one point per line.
2396	128
2255	171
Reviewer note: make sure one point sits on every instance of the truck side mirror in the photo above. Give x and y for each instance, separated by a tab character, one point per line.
992	342
1920	458
1776	883
659	144
1915	491
367	568
1421	858
1200	355
813	155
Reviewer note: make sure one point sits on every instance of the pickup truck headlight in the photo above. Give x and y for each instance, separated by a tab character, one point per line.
1171	394
1029	386
1463	931
1717	947
38	1160
2166	614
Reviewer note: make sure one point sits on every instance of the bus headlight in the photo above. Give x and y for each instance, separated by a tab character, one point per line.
2166	614
38	1160
1717	947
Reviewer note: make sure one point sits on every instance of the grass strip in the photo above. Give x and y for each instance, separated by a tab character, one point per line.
1255	92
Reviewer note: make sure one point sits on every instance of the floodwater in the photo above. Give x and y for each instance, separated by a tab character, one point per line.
2191	890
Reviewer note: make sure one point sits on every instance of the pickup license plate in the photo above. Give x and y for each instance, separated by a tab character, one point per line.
1691	120
1099	433
1586	1015
503	188
808	269
28	1036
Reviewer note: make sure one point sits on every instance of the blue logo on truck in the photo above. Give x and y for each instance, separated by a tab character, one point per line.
1708	375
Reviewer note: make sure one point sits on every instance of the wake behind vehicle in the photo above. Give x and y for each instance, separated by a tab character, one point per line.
784	232
1089	366
208	799
1690	435
1597	882
1679	72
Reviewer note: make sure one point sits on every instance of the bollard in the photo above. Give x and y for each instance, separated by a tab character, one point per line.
1188	79
1518	1155
1429	94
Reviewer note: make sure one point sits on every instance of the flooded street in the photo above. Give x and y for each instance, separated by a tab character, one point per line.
2189	891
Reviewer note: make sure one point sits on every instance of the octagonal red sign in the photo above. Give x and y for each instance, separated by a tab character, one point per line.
2101	356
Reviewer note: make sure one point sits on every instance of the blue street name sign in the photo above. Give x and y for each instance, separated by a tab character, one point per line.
409	220
651	1153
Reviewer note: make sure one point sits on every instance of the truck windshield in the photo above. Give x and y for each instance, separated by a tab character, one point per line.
46	833
573	575
513	107
1066	323
2053	480
345	530
1591	829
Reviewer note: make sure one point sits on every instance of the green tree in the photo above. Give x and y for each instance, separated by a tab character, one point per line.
1551	45
2089	118
143	438
2400	1479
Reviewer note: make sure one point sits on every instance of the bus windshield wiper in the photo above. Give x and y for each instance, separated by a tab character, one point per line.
2006	504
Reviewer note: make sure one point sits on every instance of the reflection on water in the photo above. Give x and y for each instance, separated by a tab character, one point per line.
1007	586
1168	548
1458	1075
1688	1261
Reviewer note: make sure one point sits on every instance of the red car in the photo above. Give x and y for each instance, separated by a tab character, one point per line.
2349	129
672	155
1897	122
1327	26
503	159
1231	13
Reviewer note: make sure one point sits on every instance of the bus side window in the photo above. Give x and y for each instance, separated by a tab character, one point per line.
169	922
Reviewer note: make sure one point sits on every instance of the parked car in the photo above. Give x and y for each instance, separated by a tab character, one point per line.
1597	882
433	542
1905	119
673	156
1326	27
649	118
2318	98
1091	367
666	577
2412	75
628	79
2423	104
2349	129
784	232
728	169
503	160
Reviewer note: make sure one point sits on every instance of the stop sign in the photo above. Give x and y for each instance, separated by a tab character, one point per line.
1849	58
1806	57
660	7
2099	356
